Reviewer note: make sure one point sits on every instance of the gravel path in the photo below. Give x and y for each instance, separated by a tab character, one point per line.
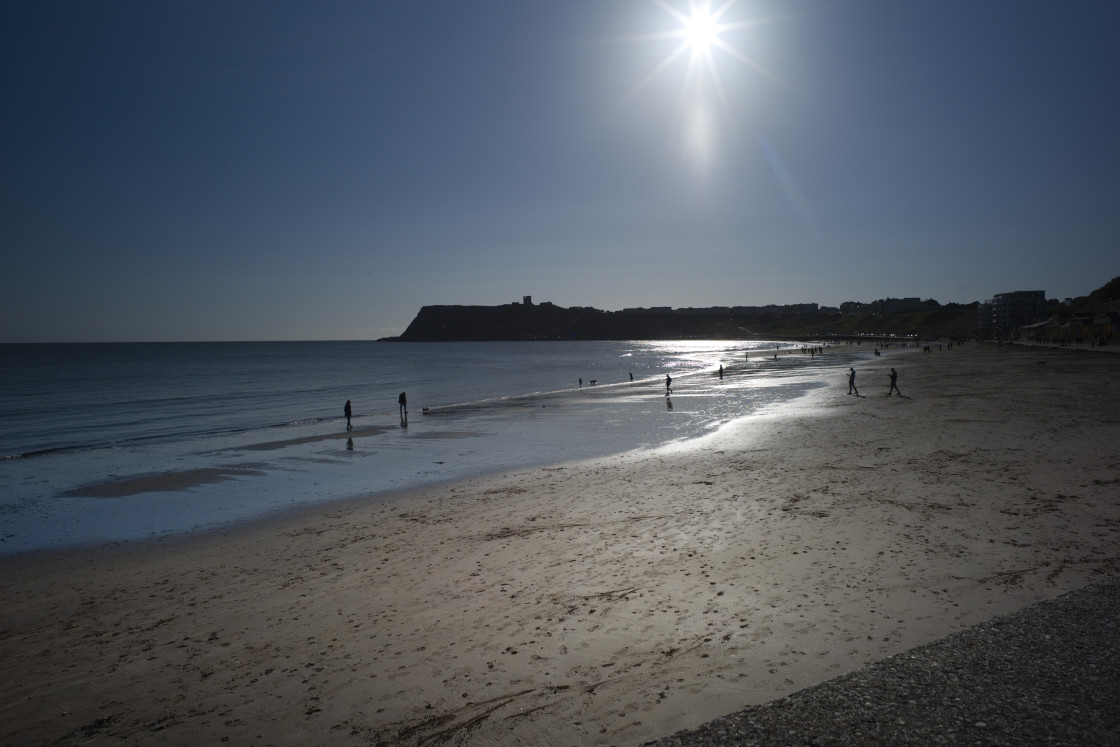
1048	674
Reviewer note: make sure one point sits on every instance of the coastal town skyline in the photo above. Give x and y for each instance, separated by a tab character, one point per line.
272	171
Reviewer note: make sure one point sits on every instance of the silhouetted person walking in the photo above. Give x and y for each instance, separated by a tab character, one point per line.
721	372
894	384
668	388
346	410
852	382
403	402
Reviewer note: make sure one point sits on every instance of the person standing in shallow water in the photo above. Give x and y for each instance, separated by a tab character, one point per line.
346	410
852	382
668	388
894	384
403	402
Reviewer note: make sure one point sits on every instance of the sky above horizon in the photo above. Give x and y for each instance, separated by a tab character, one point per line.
297	171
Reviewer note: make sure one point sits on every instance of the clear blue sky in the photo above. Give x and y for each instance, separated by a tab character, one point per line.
275	170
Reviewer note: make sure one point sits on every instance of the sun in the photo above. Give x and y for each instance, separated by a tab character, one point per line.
702	26
700	30
704	34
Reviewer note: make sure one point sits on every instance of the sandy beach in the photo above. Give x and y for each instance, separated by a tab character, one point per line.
610	601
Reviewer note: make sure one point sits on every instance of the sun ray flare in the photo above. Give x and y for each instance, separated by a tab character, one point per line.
652	76
708	37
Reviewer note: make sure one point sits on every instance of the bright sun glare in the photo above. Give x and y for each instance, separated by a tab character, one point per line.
700	30
703	34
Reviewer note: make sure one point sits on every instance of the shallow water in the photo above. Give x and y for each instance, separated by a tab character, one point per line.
150	440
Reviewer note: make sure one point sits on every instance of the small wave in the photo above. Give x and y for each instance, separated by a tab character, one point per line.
56	450
142	440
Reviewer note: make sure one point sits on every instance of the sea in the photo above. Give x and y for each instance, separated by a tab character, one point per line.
111	443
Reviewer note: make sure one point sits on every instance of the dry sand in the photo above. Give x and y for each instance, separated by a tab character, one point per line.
611	601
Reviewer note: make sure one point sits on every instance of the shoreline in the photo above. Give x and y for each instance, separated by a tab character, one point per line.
138	494
612	600
182	480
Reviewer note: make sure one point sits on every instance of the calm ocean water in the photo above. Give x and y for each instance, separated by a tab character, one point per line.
237	430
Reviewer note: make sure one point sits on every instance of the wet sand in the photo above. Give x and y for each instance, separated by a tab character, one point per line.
172	480
610	601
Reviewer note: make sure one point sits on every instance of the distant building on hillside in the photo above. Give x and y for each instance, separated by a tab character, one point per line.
802	308
886	305
1008	311
984	319
897	305
1015	309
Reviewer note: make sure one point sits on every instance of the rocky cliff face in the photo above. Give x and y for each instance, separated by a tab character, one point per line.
550	322
547	321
